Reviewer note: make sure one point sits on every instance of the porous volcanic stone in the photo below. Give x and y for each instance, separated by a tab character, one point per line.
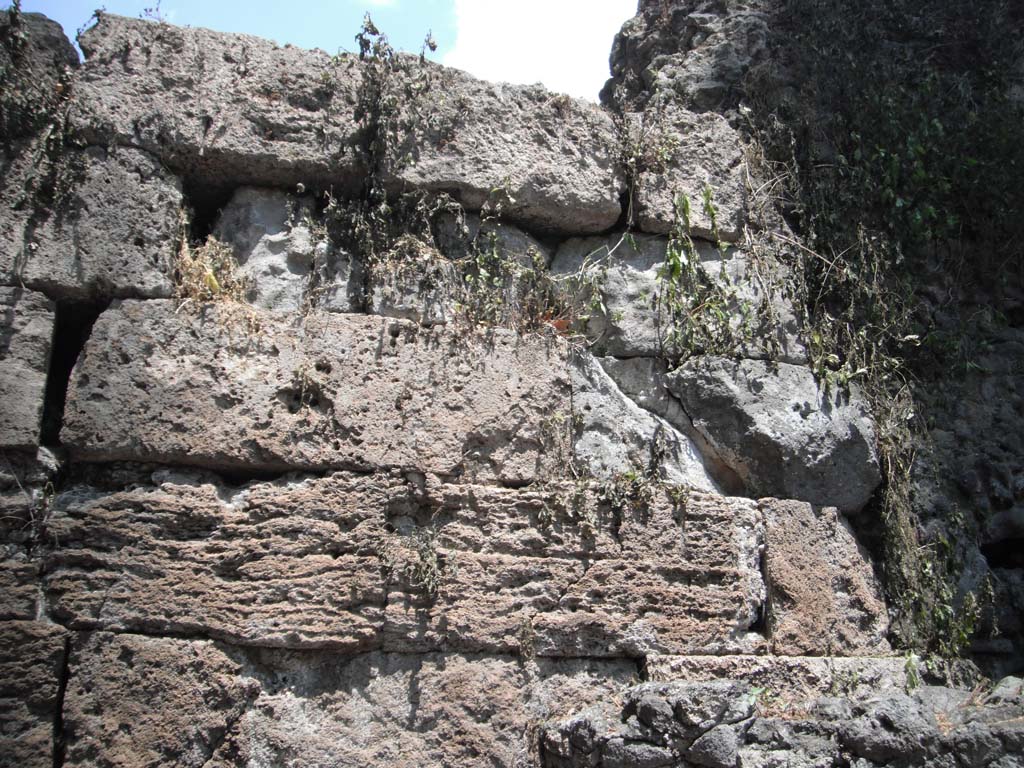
780	431
632	319
113	233
704	152
26	336
550	160
823	597
224	109
324	391
555	571
270	234
138	700
31	666
613	435
134	700
231	109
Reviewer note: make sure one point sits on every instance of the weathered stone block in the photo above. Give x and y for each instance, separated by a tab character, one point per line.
31	666
114	232
227	109
823	597
320	392
26	336
703	151
790	679
613	435
134	699
633	318
268	567
233	109
550	160
780	431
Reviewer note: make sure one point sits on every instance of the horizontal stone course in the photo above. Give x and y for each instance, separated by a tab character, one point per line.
230	110
200	386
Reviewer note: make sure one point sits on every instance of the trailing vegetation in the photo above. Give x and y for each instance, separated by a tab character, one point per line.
898	155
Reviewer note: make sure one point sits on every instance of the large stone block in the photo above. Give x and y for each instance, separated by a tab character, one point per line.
31	667
823	596
652	576
703	153
550	160
135	700
231	109
267	566
36	60
780	431
319	392
26	337
113	232
222	108
633	318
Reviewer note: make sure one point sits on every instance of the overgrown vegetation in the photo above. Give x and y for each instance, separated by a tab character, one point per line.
898	156
33	115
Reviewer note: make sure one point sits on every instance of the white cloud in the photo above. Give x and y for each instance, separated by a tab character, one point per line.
563	44
380	3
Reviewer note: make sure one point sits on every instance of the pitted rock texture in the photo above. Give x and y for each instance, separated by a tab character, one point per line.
270	234
613	435
138	700
692	52
228	109
233	110
780	431
26	339
32	658
324	391
95	241
791	677
632	320
550	160
704	155
34	75
821	596
723	724
554	572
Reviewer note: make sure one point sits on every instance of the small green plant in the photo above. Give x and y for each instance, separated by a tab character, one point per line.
415	559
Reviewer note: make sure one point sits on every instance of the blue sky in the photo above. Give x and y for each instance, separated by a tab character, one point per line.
562	43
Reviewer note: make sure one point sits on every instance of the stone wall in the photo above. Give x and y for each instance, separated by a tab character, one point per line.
334	518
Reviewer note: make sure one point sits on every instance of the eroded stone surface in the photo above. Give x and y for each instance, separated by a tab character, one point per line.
550	160
230	109
722	724
324	391
613	435
632	319
789	679
780	431
705	153
823	597
108	224
363	562
26	337
234	109
136	700
270	234
31	668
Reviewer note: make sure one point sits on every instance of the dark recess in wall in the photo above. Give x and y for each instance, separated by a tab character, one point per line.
74	321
